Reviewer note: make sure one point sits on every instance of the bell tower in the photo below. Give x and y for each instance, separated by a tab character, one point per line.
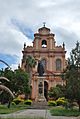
44	39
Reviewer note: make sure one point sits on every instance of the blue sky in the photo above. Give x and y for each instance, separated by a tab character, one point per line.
8	59
20	19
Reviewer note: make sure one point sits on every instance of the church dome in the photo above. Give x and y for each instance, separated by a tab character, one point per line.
44	30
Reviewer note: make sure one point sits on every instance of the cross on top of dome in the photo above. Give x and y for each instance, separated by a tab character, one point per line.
44	24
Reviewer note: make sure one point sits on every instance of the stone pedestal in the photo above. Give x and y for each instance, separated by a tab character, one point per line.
40	96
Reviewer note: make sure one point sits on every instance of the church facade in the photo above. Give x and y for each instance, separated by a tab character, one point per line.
50	57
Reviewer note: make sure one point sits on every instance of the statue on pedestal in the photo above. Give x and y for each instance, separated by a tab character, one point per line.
40	68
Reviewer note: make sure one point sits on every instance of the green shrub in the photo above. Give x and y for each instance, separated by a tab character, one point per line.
61	101
62	98
17	101
13	103
52	103
28	102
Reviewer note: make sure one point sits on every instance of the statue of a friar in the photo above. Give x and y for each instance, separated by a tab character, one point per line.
40	68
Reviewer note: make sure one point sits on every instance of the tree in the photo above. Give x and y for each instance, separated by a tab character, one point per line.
6	89
63	90
3	87
18	81
72	75
21	82
55	92
30	63
9	74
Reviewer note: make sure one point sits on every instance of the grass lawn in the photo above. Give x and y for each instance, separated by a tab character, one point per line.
61	111
5	110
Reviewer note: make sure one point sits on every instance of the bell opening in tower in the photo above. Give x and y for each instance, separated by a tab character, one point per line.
44	43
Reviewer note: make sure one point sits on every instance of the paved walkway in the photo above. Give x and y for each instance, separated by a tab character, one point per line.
34	113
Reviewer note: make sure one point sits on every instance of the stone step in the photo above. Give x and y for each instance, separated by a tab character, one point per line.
39	105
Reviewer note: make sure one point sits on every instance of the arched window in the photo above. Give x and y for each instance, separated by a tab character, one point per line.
58	64
44	44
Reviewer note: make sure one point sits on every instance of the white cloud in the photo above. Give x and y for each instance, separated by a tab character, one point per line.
58	14
14	66
12	41
47	4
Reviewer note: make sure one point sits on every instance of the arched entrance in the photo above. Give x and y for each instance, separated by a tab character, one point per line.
46	90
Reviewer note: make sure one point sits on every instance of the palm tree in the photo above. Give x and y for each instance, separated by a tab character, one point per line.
4	88
30	61
5	63
30	64
3	78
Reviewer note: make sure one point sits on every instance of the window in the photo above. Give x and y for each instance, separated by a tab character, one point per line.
58	64
44	43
